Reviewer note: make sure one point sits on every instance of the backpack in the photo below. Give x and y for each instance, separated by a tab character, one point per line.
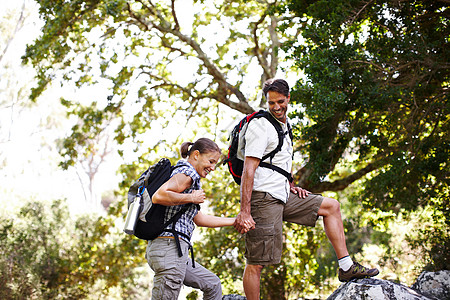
145	219
235	159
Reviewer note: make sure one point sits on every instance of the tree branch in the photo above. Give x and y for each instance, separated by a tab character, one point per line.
256	50
175	19
225	89
341	184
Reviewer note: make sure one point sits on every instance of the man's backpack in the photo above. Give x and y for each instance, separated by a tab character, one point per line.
149	222
235	159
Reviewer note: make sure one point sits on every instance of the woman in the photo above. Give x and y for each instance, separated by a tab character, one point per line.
181	190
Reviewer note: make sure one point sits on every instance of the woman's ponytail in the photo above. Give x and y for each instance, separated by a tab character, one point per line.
185	151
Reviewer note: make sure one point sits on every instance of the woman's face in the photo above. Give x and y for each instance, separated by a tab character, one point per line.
204	163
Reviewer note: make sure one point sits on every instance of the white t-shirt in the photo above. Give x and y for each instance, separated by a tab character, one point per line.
259	139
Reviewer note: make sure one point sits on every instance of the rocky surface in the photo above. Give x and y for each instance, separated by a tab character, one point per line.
434	284
370	288
429	286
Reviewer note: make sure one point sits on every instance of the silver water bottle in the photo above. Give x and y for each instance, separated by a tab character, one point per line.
132	215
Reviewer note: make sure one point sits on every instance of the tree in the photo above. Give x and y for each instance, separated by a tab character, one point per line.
360	58
376	86
11	91
47	254
362	93
376	98
160	59
90	143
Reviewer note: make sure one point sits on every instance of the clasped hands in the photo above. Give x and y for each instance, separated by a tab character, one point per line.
244	222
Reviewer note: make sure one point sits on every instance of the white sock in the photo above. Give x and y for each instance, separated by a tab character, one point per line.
345	263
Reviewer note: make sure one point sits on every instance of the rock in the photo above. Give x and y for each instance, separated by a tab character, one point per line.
434	284
375	289
428	286
233	297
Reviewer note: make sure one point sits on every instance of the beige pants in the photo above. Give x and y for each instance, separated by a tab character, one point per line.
172	271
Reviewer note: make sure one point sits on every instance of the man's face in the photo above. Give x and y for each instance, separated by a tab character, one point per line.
278	104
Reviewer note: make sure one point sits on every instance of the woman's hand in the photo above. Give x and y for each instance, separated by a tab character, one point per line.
244	222
197	196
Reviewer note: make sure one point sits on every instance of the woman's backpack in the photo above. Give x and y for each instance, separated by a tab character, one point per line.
145	219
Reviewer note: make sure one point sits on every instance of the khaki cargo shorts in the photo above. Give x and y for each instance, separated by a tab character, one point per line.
264	244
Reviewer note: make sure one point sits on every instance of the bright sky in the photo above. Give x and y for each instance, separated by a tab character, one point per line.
28	154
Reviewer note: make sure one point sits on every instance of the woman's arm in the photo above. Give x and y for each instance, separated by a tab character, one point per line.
170	193
212	221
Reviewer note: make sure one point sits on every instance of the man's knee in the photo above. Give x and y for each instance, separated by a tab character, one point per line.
253	269
329	206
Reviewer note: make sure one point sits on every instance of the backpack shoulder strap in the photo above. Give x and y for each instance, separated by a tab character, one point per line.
280	133
270	155
290	132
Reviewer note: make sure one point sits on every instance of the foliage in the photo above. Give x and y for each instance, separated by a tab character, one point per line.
434	236
157	58
375	95
374	100
47	255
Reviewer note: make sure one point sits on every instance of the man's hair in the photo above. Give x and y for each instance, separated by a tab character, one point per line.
276	85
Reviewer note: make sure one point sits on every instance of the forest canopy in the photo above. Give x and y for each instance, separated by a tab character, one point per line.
369	105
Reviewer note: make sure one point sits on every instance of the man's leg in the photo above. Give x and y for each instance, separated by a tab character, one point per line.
330	210
264	244
304	211
252	276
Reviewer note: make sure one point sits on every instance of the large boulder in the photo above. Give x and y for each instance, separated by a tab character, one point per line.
434	284
428	286
375	289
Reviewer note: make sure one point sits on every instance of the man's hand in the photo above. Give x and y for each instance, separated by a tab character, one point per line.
244	222
302	193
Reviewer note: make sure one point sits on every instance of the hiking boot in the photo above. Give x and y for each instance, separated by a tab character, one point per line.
356	271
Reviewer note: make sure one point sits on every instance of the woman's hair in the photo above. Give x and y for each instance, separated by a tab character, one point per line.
203	145
276	85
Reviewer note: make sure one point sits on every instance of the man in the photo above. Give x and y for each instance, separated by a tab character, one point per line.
268	198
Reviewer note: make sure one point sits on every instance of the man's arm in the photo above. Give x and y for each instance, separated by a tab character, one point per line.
244	221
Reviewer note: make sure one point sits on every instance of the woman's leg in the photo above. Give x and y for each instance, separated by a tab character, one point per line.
170	269
203	279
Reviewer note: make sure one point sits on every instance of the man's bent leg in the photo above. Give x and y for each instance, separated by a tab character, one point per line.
304	211
331	212
252	276
334	228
